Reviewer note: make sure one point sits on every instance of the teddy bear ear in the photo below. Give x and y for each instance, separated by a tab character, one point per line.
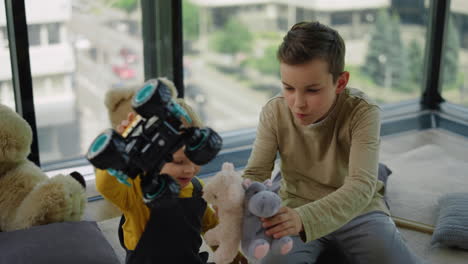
170	85
118	103
267	183
227	166
115	97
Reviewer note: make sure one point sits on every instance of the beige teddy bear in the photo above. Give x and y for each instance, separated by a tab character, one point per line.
225	191
28	197
119	102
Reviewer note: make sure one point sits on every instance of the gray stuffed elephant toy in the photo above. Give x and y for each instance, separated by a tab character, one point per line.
261	200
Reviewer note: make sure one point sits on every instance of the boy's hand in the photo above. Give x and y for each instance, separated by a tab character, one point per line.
125	123
286	222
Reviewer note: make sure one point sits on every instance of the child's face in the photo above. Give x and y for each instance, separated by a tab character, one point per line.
181	168
309	89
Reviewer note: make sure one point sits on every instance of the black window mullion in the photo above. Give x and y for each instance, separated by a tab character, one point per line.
162	40
148	21
438	17
177	44
21	68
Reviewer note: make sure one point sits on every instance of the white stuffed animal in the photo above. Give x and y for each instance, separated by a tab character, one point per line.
225	192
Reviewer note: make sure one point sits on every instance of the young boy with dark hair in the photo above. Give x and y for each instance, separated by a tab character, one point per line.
328	138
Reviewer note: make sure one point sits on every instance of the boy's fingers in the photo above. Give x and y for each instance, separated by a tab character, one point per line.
279	228
275	220
285	232
131	116
281	216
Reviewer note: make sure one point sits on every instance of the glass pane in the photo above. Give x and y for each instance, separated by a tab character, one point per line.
455	57
79	50
6	87
34	35
53	33
230	51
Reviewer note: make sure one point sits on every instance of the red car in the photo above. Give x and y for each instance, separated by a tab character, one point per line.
124	72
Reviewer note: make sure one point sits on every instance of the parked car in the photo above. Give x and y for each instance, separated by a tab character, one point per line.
124	71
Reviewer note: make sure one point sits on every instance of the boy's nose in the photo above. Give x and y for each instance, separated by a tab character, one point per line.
299	101
189	168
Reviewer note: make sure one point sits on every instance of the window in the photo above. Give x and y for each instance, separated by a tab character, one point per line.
6	87
96	47
230	69
53	33
34	35
454	77
6	93
341	18
3	37
233	67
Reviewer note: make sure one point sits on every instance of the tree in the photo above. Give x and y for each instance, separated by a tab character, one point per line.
385	60
377	50
451	53
268	63
127	5
233	39
397	58
415	61
190	20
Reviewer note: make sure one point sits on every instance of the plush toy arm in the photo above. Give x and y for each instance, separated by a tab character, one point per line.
211	236
58	199
228	245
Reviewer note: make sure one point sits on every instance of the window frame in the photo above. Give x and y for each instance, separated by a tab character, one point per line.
21	68
163	56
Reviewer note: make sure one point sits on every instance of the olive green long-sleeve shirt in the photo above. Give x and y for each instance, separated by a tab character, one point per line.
329	168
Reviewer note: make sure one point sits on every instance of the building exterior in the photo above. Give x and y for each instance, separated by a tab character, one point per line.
351	17
52	68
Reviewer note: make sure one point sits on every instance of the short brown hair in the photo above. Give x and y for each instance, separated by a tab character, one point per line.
306	41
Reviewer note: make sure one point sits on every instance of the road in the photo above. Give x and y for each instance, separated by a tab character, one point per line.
229	104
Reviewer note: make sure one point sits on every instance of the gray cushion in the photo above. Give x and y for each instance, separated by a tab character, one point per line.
383	173
452	225
57	243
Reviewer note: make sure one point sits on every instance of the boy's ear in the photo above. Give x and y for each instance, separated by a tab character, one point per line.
342	82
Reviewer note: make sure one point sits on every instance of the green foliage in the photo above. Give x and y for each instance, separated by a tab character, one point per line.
415	60
127	5
378	46
451	53
233	39
190	20
397	57
267	64
385	60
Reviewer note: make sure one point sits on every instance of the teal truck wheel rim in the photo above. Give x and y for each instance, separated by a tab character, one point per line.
99	143
144	93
